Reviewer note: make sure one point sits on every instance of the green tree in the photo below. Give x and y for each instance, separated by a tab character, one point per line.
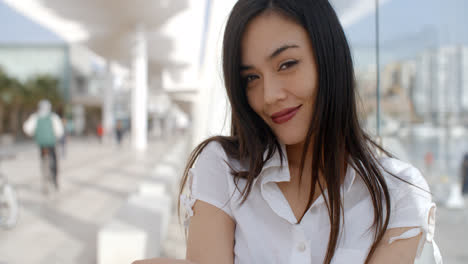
21	99
10	94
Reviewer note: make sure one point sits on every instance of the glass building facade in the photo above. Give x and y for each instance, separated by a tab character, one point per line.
411	63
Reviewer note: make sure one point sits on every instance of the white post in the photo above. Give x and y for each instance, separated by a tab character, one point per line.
455	198
140	90
108	105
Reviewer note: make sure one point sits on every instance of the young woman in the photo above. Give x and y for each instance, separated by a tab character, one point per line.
298	180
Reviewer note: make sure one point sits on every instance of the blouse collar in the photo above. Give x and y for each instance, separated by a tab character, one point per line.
273	172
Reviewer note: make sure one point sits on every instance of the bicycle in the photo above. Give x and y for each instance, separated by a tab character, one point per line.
47	168
9	208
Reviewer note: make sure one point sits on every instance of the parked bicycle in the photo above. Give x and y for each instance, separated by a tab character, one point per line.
9	209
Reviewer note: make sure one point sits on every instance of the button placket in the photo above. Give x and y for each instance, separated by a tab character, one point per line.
300	248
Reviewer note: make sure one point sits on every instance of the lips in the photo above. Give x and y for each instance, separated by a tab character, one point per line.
285	115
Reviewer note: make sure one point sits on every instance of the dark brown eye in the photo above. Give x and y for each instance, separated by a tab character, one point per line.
288	64
250	78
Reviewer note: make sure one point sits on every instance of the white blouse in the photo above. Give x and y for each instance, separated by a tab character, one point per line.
267	230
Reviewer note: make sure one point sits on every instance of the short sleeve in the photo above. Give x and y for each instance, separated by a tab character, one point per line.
412	201
208	180
411	204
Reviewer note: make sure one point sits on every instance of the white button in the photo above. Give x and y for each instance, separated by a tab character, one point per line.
301	246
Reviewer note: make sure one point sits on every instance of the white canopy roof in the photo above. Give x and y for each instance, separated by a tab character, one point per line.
106	26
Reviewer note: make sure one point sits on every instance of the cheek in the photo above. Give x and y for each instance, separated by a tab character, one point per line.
305	90
255	100
304	84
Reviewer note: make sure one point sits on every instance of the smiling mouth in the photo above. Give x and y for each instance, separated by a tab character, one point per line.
285	115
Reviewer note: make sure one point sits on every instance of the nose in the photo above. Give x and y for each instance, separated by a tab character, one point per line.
273	90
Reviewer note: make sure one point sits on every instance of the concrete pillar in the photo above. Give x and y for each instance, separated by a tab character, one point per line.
108	116
140	90
455	198
79	119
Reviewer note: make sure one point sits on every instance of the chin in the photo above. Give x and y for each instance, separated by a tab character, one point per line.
290	139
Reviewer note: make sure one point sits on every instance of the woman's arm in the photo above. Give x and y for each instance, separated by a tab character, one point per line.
210	238
211	235
400	251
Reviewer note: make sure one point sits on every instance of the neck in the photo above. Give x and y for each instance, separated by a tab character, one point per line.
294	153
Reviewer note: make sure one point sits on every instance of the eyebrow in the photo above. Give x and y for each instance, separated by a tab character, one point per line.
275	53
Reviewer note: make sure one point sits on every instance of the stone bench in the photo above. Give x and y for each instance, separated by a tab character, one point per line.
140	226
138	229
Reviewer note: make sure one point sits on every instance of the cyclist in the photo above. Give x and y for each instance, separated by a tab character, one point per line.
45	127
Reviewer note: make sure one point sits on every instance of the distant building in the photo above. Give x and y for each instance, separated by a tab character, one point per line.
441	86
397	86
23	61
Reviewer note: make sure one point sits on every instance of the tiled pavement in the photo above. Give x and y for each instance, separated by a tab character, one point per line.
95	180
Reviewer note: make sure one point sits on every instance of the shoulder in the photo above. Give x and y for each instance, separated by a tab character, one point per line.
214	148
211	162
403	171
213	154
393	167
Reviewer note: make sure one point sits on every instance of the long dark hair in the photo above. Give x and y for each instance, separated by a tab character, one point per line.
335	133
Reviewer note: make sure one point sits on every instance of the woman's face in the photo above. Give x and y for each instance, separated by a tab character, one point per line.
280	73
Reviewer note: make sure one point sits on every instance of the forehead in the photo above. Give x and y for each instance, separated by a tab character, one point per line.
269	31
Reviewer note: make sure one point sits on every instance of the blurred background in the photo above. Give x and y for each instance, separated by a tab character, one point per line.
137	84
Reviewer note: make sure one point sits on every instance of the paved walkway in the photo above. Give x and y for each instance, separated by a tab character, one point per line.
452	234
95	180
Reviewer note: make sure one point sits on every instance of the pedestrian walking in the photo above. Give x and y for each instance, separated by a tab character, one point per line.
100	132
119	131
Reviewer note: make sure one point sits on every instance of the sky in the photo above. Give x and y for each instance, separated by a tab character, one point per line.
17	29
407	27
401	18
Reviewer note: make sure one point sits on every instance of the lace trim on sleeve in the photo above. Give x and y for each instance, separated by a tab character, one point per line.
188	201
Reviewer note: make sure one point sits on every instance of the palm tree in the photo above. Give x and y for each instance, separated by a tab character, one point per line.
10	91
19	100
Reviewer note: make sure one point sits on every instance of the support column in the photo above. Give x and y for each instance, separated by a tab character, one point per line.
140	90
108	116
